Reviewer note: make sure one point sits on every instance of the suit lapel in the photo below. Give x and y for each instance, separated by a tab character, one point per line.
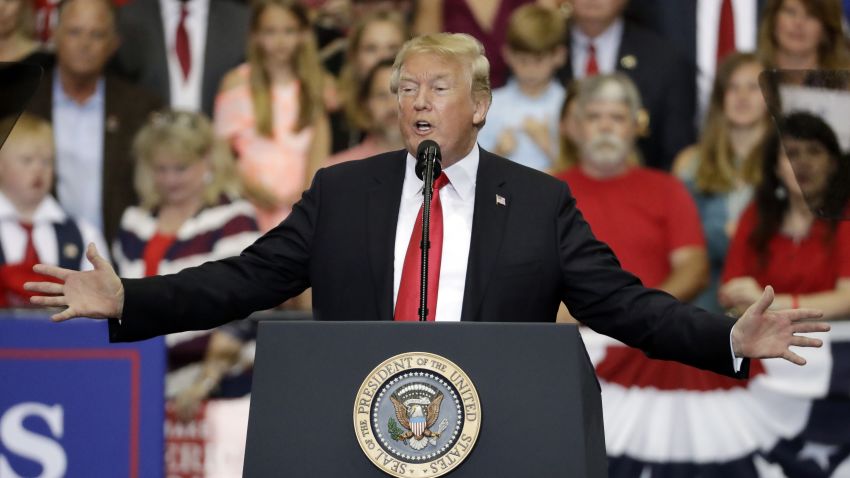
492	205
215	23
111	136
157	39
627	57
383	202
689	20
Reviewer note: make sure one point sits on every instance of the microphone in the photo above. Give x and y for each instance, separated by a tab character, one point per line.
428	151
428	168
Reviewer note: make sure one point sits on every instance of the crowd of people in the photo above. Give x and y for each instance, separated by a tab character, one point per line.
172	132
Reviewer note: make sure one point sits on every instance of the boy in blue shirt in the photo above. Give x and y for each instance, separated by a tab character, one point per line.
522	123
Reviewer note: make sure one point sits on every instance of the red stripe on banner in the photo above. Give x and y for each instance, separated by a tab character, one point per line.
97	354
135	390
631	368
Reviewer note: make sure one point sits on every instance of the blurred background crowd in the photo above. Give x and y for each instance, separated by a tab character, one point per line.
172	132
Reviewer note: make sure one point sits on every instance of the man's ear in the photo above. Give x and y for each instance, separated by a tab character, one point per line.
642	121
481	104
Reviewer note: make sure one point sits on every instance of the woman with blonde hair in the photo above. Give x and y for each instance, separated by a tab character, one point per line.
190	209
803	35
271	109
722	170
190	213
374	38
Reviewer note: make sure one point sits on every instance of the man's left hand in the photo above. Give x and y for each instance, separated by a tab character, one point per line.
763	333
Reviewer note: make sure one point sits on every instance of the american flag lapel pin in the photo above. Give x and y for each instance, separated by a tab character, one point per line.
500	200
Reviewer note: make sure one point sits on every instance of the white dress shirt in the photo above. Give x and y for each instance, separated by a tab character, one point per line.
185	94
458	202
708	23
78	130
607	46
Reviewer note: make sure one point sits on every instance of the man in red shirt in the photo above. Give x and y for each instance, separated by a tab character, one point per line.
651	222
646	216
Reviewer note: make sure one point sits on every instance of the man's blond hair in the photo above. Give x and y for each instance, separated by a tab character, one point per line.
459	47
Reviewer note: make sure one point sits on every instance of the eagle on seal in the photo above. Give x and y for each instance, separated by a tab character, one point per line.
416	418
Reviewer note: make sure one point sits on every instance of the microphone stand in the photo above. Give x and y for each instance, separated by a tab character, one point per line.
425	245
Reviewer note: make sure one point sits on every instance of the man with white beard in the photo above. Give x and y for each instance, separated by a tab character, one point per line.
646	216
652	224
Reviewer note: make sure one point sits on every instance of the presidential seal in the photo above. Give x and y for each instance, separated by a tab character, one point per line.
417	415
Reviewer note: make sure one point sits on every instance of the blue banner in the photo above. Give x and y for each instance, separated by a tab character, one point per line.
73	405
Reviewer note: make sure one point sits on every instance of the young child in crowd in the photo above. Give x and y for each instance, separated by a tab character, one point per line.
522	123
33	227
271	112
380	116
372	39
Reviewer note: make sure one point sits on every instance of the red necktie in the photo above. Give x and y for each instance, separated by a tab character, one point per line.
726	31
181	44
592	67
30	255
407	304
45	9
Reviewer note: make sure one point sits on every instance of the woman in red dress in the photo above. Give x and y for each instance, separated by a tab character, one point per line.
791	236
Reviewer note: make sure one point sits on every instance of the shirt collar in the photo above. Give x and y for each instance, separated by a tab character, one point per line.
461	175
59	96
195	7
611	36
48	211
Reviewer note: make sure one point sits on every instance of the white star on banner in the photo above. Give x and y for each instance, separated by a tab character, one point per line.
818	453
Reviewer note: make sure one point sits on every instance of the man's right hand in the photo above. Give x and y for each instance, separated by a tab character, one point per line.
97	293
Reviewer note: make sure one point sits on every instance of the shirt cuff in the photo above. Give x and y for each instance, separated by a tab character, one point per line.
736	361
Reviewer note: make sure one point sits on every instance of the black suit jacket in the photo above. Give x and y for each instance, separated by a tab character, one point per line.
525	257
126	108
143	59
667	86
676	21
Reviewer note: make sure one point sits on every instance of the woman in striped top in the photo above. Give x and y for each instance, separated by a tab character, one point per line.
190	213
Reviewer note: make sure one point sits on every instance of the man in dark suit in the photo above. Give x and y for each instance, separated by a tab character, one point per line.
513	246
693	27
216	32
95	116
602	41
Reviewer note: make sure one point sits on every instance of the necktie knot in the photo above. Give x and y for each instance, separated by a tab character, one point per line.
27	226
441	181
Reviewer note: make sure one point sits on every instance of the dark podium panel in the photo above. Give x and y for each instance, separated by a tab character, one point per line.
540	404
